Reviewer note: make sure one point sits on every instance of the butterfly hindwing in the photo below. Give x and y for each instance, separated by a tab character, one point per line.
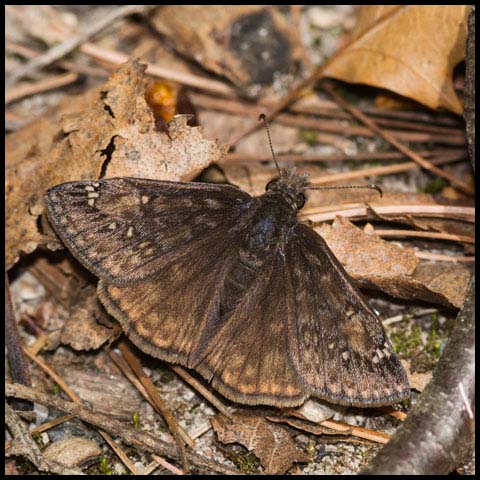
336	343
126	229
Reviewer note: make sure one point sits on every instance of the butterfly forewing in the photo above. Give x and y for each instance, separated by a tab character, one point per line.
336	343
126	229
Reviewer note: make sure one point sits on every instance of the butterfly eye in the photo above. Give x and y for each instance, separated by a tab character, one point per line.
270	184
300	200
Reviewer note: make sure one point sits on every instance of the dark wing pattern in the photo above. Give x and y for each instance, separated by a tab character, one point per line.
126	229
187	316
337	345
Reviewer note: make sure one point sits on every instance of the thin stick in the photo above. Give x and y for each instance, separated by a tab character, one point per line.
19	371
50	83
419	234
451	154
130	435
374	171
161	405
202	390
70	44
393	141
322	214
444	258
116	58
162	462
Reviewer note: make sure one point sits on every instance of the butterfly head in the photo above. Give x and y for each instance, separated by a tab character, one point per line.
290	185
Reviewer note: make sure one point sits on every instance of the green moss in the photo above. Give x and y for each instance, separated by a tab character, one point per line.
247	462
136	419
56	389
436	185
421	347
104	467
194	408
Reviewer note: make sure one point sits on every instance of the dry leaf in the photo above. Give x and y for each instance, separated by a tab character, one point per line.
408	49
450	281
73	451
109	131
364	253
417	380
272	444
245	43
382	265
88	325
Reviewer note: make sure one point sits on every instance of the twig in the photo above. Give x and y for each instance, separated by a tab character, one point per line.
407	316
77	399
158	401
393	141
49	83
444	258
26	446
129	435
202	390
162	462
378	171
360	432
59	51
450	154
115	58
18	365
27	52
419	234
322	214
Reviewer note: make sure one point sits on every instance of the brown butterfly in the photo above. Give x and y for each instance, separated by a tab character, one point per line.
232	286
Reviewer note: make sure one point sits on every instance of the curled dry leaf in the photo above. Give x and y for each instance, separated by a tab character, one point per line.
246	43
408	49
272	444
385	266
108	131
73	451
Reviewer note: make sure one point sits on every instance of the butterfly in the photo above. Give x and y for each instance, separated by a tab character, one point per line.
232	286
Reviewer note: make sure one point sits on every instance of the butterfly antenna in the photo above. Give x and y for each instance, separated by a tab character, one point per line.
371	187
263	117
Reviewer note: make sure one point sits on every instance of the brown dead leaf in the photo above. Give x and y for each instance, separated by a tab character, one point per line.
365	254
382	265
450	281
73	451
408	49
108	131
88	326
272	444
245	43
417	380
